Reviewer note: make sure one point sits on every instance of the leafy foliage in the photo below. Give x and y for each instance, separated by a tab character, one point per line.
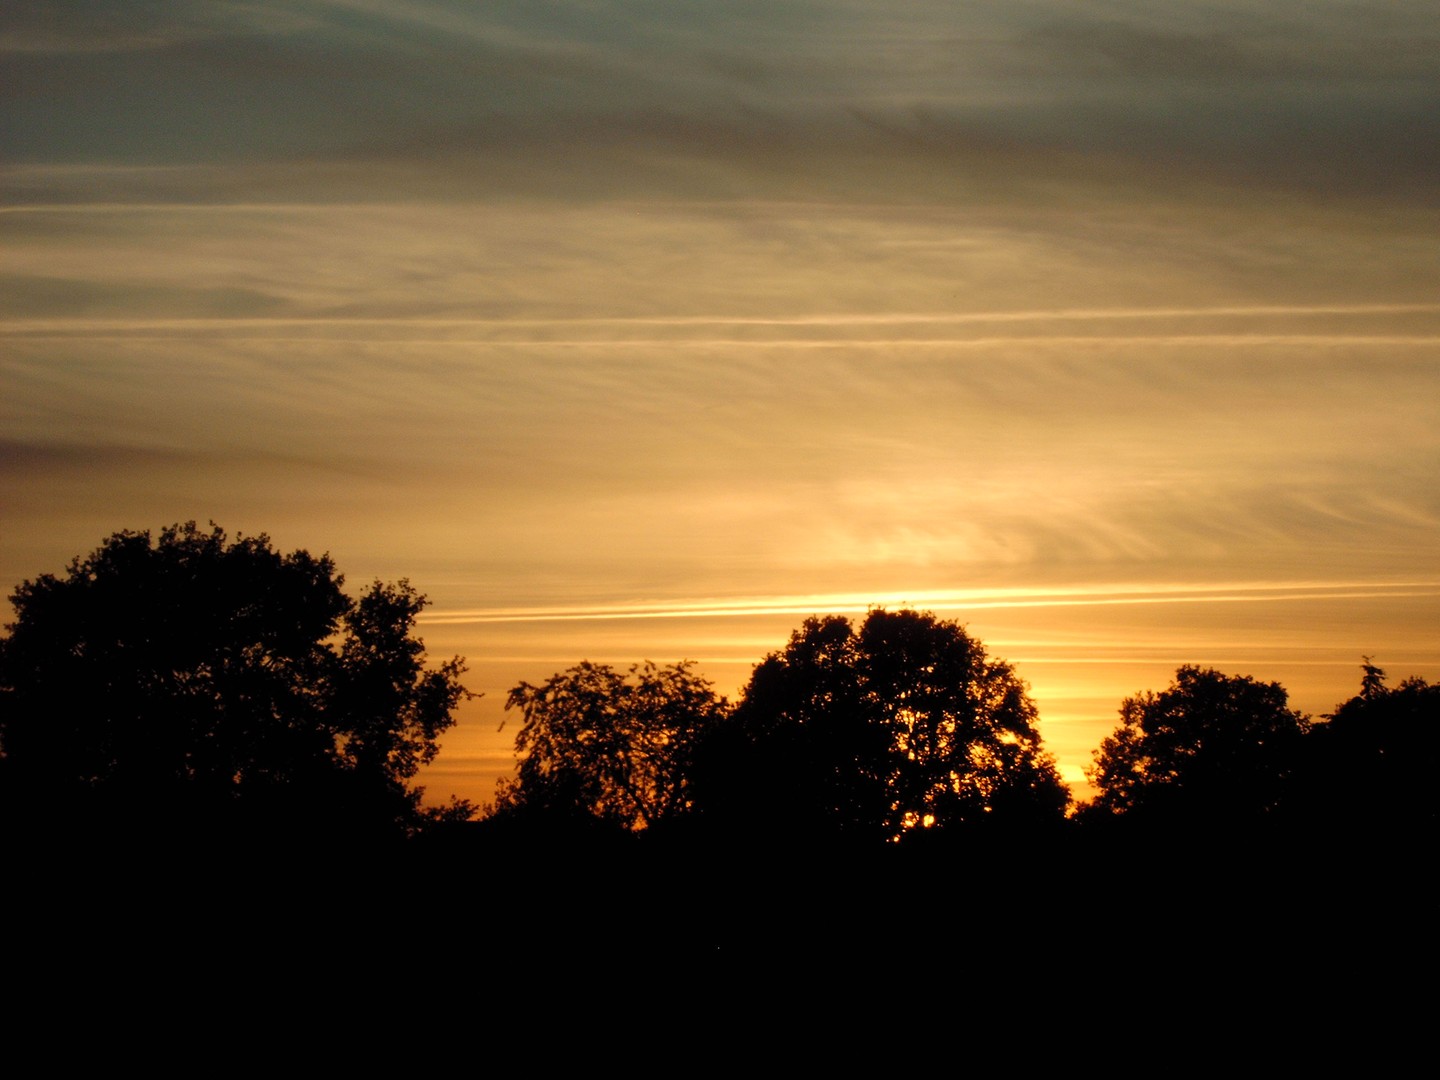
1210	747
601	747
191	675
903	726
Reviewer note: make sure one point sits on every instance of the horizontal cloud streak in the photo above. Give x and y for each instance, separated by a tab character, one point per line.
944	602
400	328
674	97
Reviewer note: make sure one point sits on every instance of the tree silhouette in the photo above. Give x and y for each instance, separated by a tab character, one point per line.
1210	749
902	727
601	748
1373	762
190	678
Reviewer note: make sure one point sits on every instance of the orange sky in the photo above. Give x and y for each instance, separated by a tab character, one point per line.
643	330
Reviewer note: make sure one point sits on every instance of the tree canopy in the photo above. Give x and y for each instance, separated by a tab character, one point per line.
187	675
1373	762
1210	747
605	748
899	727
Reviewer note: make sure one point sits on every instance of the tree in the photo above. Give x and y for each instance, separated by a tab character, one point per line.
1210	749
902	727
188	677
1373	762
601	748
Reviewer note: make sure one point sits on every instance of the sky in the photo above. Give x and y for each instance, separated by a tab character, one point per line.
644	329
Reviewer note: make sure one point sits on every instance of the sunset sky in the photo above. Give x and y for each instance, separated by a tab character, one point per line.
645	329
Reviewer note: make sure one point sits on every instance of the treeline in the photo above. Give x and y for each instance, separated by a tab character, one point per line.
870	734
189	684
903	730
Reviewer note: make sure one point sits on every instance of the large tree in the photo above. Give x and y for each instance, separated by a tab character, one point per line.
599	747
896	729
1210	749
1372	764
189	677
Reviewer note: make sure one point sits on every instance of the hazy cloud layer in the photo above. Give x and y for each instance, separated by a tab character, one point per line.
722	99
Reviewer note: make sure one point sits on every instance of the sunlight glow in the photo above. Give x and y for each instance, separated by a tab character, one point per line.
951	600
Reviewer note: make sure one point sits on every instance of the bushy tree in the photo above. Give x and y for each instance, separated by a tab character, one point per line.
903	726
603	748
1209	749
1373	762
186	677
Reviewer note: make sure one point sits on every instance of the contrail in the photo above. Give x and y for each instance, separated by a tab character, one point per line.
123	325
850	603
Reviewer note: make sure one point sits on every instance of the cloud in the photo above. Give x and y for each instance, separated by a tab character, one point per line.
809	99
40	296
952	601
1268	44
675	464
485	264
98	26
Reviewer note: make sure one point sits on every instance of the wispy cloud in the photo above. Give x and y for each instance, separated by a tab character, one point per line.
946	601
830	328
526	98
